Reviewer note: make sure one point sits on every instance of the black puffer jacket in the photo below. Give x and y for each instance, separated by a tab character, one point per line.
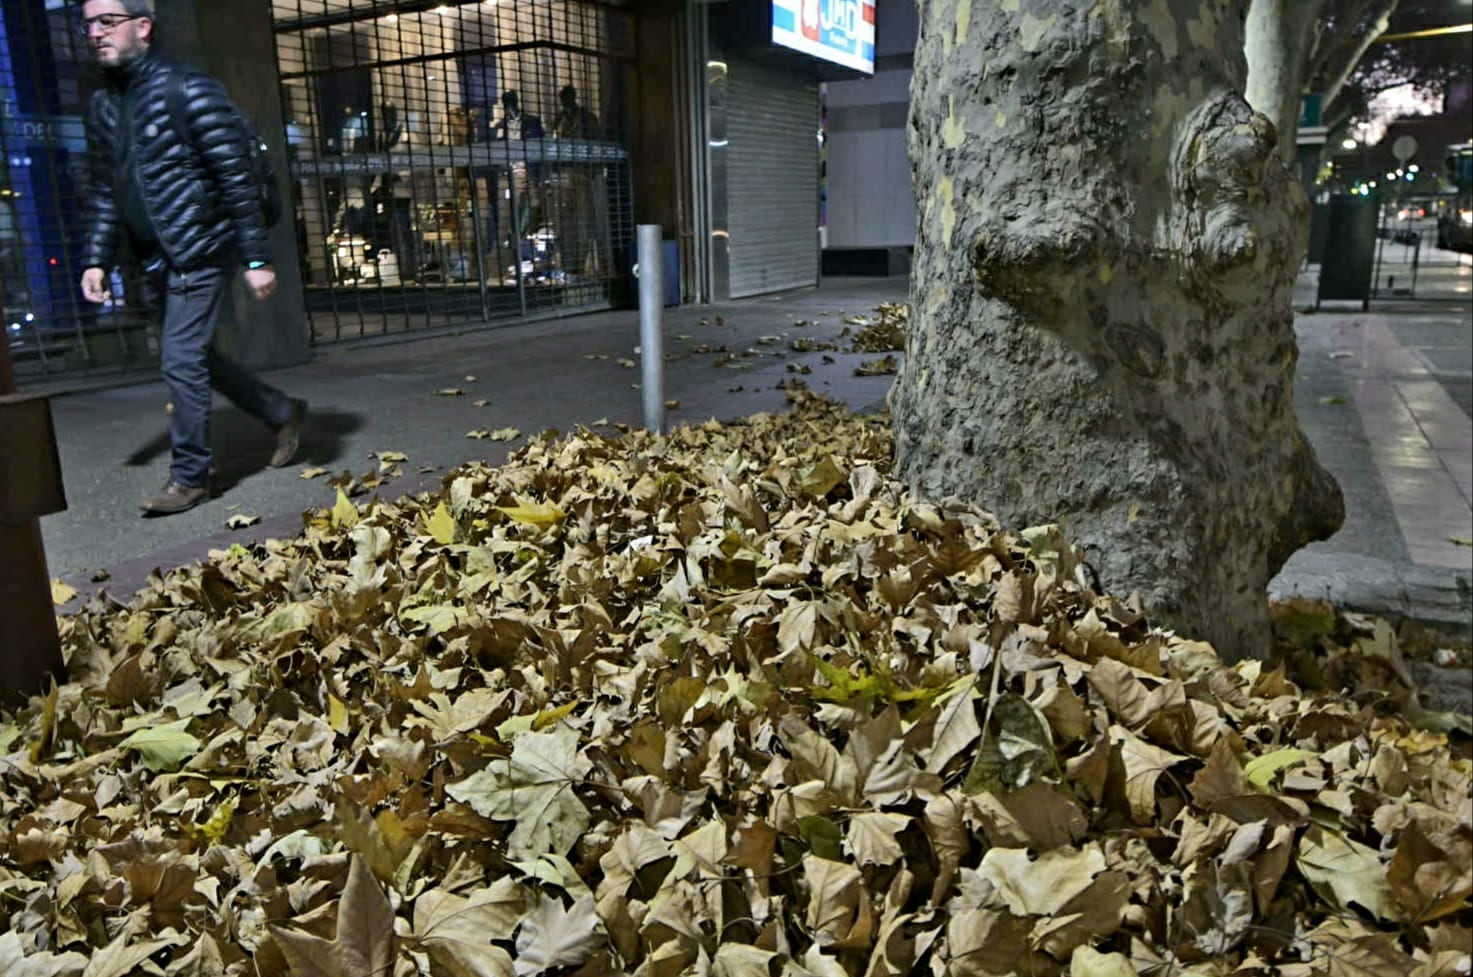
198	188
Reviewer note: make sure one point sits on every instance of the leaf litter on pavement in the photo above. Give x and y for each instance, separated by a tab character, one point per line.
725	702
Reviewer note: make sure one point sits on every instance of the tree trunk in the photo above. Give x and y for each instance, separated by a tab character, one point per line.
1102	334
1280	42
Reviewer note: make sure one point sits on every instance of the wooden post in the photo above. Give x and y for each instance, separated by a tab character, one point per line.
30	648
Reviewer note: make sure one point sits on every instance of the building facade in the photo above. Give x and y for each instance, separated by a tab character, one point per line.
448	165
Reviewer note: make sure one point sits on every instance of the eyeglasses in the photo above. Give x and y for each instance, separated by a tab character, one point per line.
106	23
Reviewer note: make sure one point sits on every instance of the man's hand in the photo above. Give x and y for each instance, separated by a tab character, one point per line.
261	281
94	286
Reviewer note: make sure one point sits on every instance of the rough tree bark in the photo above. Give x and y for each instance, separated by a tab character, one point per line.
1102	332
1281	36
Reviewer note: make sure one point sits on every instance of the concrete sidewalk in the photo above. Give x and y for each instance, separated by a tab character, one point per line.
1383	396
385	397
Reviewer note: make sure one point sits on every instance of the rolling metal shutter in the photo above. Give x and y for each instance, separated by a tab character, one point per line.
772	179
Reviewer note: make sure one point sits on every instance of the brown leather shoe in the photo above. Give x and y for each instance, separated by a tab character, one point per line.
289	436
175	498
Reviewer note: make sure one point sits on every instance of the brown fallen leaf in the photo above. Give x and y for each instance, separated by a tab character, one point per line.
552	936
726	700
364	942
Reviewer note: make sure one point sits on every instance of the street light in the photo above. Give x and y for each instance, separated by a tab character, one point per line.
1350	144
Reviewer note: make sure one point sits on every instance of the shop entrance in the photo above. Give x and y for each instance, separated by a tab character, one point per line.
456	162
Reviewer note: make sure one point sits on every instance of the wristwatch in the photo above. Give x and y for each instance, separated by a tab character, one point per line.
258	265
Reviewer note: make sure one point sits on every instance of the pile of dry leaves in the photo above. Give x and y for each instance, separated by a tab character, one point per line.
724	703
884	332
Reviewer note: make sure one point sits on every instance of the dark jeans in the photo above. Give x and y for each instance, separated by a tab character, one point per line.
192	365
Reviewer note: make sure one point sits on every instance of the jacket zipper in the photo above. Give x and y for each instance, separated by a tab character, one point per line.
127	106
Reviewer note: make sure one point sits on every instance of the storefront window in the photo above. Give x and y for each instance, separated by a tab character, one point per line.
463	161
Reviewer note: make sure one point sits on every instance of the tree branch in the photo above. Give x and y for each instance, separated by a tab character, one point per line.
1340	72
1344	30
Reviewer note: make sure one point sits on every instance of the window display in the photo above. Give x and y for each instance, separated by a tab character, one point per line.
432	186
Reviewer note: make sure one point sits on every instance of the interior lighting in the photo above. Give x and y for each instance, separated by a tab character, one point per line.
1350	144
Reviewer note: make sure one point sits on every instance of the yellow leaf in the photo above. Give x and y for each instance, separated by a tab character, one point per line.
163	747
344	513
337	714
46	737
61	593
441	525
1087	962
1260	771
539	514
215	829
551	717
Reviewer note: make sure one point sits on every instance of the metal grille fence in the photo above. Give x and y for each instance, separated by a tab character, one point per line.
1413	258
456	162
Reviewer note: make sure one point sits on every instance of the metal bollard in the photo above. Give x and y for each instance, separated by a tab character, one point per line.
30	487
651	331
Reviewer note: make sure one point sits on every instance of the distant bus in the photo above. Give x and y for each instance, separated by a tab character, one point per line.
1455	223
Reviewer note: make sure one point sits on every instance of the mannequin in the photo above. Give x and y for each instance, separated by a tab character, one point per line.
580	191
516	124
573	120
354	131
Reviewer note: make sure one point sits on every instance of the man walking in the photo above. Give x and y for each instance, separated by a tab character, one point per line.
170	169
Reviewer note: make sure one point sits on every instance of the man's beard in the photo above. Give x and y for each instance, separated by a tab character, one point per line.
124	58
